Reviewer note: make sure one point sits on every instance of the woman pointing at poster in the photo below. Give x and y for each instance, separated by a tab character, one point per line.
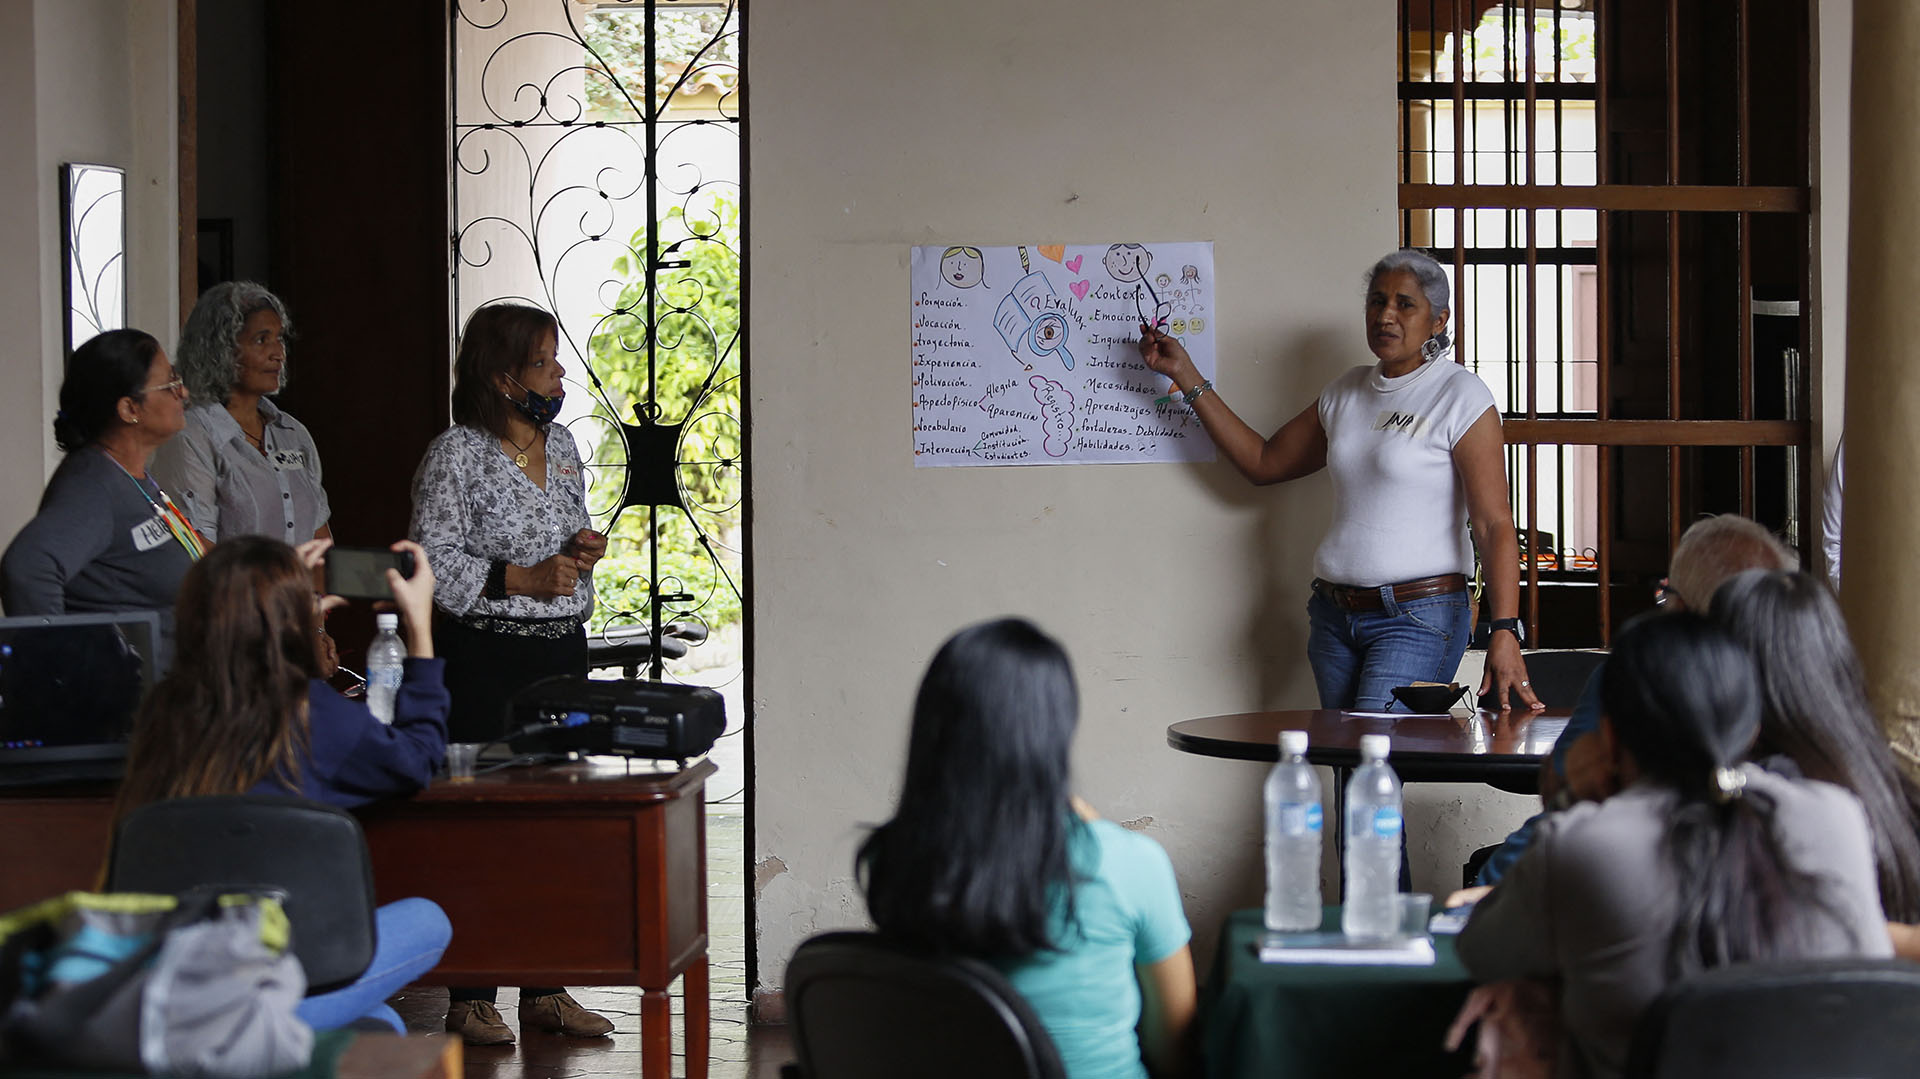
1413	443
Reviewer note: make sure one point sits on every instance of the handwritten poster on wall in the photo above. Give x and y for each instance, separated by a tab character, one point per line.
1029	355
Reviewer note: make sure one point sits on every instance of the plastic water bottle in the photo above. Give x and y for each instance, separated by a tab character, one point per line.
384	657
1293	839
1374	829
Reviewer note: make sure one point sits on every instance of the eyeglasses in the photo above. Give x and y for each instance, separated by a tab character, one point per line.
1664	594
174	387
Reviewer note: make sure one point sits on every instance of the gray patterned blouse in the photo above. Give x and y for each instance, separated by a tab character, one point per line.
472	505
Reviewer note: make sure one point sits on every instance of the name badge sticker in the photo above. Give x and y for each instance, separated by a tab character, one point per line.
150	533
290	460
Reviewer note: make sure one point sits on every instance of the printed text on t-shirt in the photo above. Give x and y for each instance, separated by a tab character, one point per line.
1406	423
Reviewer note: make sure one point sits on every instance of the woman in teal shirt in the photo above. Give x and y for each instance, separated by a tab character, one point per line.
989	855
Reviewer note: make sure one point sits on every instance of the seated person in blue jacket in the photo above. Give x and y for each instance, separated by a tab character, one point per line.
242	711
989	855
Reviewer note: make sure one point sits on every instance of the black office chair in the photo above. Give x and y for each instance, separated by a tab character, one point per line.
1559	676
313	854
862	1009
1784	1020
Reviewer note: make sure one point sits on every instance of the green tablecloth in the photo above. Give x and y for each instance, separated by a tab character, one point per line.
1305	1021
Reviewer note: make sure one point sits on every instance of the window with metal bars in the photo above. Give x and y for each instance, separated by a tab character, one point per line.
1630	267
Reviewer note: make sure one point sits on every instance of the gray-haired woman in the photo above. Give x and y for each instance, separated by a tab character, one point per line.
1414	447
242	466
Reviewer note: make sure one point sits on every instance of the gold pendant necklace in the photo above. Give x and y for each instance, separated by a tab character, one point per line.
520	454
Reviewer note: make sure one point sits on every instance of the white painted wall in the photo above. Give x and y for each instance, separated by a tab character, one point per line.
23	413
1179	590
94	81
1832	78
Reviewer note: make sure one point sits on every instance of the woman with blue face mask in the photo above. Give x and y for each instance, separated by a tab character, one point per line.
499	504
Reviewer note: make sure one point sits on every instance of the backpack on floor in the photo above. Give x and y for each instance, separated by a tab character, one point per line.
200	984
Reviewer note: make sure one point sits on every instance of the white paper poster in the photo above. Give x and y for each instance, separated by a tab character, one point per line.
1029	355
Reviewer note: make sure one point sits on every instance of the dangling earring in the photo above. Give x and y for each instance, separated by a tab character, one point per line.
1431	349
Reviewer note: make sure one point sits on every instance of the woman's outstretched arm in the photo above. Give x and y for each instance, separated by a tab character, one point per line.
1298	449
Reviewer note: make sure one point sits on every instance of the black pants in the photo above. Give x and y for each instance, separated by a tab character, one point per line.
484	670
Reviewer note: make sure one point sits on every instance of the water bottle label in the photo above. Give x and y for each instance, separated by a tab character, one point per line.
1300	818
390	677
1386	822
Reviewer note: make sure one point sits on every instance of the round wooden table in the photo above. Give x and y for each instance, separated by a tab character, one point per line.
1504	749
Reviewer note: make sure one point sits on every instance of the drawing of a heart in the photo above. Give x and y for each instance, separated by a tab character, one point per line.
1079	288
1074	265
1054	251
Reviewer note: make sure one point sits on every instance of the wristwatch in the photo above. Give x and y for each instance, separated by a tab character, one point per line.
1511	625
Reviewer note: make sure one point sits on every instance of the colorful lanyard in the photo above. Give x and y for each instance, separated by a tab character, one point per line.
177	523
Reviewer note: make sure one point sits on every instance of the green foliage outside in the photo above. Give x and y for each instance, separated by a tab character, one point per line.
1490	51
620	38
697	364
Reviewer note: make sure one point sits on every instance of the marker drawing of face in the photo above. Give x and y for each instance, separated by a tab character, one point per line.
1127	262
962	267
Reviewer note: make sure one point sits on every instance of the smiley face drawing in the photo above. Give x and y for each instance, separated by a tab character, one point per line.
962	267
1127	262
1163	281
1178	327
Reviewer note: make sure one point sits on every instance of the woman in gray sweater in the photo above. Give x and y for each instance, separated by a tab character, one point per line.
1700	861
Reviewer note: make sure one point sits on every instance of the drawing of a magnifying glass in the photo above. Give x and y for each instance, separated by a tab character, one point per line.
1047	336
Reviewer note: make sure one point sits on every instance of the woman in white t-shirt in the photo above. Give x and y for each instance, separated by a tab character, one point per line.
1413	444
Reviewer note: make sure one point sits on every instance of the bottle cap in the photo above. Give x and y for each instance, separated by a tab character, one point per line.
1293	743
386	620
1374	747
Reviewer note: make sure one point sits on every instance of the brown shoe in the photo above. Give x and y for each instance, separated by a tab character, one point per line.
559	1013
478	1023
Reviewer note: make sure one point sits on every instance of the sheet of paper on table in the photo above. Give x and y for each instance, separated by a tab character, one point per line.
1340	949
1399	715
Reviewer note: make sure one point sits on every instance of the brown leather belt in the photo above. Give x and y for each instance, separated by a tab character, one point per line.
1349	598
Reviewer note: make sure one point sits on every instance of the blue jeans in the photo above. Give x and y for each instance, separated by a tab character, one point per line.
1359	656
411	935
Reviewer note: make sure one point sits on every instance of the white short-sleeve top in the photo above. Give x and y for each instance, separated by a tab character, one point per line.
1399	509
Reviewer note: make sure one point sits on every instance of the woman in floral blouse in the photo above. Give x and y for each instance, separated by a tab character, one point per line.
499	504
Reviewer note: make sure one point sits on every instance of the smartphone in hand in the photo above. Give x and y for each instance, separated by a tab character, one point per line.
361	572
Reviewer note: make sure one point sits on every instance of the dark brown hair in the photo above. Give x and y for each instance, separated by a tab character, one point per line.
233	709
497	341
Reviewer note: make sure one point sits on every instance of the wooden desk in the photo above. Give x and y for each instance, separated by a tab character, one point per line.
576	874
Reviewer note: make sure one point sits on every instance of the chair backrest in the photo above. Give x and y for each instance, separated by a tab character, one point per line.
862	1009
1558	677
314	854
1853	1017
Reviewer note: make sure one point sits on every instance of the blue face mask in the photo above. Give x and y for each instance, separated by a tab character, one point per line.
538	407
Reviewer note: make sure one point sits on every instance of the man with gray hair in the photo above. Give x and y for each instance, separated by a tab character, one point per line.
1712	550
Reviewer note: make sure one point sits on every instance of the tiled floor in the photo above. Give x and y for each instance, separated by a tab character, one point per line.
737	1052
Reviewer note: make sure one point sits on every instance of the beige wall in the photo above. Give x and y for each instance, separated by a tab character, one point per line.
1832	78
1179	590
94	81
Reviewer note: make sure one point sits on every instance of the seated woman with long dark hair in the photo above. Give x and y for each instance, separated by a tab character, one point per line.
1699	861
243	711
990	855
1815	719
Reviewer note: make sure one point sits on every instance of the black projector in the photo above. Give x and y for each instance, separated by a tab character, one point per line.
624	717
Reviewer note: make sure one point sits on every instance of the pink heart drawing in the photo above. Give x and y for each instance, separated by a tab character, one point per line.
1079	288
1074	263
